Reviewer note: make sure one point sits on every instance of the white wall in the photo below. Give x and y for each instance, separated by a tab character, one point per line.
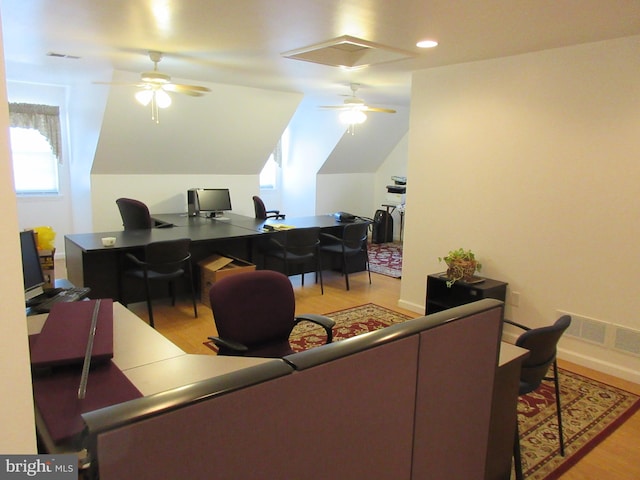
349	192
313	135
532	162
16	414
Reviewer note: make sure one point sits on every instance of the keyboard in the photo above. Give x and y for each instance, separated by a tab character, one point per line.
66	295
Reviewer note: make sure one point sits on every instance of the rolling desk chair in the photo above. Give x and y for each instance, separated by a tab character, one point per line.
135	214
261	211
254	313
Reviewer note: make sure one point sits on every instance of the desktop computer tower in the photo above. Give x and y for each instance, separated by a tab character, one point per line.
193	207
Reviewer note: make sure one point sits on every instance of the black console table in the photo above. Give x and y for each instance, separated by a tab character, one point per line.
440	297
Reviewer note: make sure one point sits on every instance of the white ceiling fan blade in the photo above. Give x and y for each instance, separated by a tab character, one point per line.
193	90
121	84
379	109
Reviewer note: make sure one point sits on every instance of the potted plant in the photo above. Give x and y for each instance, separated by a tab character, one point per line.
462	265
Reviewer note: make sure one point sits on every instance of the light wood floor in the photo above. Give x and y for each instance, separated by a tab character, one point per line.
616	458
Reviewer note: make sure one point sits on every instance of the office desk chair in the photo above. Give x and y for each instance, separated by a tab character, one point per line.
354	241
296	247
254	313
542	345
164	261
261	211
135	214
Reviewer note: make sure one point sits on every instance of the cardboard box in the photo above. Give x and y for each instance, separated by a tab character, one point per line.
216	267
48	266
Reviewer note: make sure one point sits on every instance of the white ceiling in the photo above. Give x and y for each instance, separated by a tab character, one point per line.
240	42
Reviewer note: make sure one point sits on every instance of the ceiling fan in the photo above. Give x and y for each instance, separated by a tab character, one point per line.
353	110
154	86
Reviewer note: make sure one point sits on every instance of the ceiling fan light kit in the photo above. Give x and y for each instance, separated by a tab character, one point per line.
155	85
353	110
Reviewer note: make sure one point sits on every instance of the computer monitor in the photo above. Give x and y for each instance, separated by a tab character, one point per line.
31	268
214	201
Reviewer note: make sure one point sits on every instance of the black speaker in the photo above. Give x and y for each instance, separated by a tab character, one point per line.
193	207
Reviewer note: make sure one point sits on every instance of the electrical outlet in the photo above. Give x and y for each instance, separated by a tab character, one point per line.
514	299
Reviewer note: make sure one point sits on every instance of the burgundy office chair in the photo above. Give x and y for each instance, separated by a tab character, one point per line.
135	214
542	345
261	211
254	313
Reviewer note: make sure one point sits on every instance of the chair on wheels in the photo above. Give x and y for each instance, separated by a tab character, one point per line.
261	211
542	345
164	261
135	214
296	247
254	313
354	241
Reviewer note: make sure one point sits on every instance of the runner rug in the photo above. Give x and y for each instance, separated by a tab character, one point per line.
386	259
591	410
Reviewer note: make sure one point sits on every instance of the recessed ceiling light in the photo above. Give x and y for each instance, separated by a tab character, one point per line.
427	44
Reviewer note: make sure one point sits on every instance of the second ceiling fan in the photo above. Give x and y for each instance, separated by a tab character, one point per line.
354	110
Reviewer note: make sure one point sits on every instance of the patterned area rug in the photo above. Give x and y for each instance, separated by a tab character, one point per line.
591	410
349	323
386	259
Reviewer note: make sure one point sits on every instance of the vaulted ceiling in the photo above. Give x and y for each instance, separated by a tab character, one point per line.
243	44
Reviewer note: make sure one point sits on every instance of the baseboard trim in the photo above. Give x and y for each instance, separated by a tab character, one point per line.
414	307
599	365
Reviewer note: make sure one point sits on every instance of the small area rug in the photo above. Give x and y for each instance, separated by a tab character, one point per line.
591	410
386	259
349	323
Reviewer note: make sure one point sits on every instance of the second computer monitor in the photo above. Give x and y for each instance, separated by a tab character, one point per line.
214	201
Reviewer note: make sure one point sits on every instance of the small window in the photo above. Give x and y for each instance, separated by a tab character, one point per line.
35	167
269	174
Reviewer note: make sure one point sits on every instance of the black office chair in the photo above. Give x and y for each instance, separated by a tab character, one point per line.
354	241
135	214
296	247
542	345
261	211
164	261
254	313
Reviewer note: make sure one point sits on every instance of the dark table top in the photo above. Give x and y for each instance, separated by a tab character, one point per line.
196	228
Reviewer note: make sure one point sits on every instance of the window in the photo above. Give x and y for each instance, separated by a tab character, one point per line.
35	167
269	174
272	170
35	147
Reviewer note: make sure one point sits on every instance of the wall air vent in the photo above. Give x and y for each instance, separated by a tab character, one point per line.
587	329
607	335
627	340
62	55
348	52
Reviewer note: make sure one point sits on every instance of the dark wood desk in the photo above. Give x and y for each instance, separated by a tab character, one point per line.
89	264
